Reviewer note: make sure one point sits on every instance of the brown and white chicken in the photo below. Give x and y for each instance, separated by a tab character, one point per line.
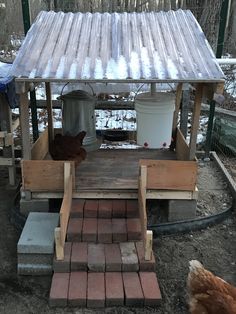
209	294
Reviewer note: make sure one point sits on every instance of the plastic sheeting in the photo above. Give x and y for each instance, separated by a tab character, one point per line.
7	84
164	46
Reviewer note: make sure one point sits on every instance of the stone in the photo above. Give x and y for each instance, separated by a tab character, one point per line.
37	236
96	290
133	290
39	205
181	209
77	294
113	257
59	289
79	256
96	257
114	289
129	257
150	287
34	269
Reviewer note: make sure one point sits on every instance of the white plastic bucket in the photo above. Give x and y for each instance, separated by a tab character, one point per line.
154	119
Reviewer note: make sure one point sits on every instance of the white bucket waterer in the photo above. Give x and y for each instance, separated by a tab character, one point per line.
154	119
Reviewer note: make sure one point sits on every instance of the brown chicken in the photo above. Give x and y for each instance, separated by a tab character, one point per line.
66	147
209	294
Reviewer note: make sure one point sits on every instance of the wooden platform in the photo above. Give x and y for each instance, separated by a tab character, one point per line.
114	170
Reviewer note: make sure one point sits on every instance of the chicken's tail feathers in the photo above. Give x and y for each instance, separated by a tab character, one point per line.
194	265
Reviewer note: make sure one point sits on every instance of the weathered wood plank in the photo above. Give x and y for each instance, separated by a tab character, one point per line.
49	111
177	105
195	121
170	174
24	123
44	175
40	147
182	148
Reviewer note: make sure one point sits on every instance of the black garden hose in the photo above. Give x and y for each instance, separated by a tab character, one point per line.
185	226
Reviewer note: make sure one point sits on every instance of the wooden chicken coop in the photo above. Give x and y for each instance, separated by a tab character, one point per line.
148	48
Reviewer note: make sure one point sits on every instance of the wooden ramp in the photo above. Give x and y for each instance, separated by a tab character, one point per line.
104	259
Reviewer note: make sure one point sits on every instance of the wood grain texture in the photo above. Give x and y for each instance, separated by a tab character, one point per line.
171	174
114	169
44	175
40	147
182	148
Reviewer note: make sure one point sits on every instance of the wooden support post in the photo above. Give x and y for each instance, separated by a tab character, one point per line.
8	147
177	106
24	123
49	111
148	245
58	244
184	112
60	232
195	121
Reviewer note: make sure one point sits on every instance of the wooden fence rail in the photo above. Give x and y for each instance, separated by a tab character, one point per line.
60	232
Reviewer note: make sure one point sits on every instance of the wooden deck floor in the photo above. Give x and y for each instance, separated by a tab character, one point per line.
107	170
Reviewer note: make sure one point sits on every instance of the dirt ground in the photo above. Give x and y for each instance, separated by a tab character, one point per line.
215	247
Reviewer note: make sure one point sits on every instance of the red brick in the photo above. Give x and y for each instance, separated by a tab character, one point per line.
134	229
96	290
77	208
59	289
133	290
114	289
91	209
74	229
79	256
105	208
143	264
113	257
77	295
104	230
132	210
64	265
96	257
89	232
151	290
119	209
119	230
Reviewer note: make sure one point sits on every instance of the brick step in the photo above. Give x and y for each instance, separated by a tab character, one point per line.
104	208
97	290
103	230
114	257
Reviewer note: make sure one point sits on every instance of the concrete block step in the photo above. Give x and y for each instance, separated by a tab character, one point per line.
37	236
100	257
103	230
99	290
104	208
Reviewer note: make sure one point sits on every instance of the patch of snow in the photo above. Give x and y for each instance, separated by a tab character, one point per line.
146	66
98	73
86	69
173	72
60	69
134	65
122	71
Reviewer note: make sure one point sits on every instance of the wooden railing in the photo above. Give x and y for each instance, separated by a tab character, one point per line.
146	234
60	232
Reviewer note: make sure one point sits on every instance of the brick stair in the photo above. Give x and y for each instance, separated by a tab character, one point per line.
104	261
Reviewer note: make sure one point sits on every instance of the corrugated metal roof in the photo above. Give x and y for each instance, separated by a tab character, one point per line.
164	46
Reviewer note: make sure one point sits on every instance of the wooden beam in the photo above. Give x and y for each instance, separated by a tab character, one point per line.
24	122
40	147
177	105
50	112
58	244
60	233
148	245
44	175
182	148
195	121
170	174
